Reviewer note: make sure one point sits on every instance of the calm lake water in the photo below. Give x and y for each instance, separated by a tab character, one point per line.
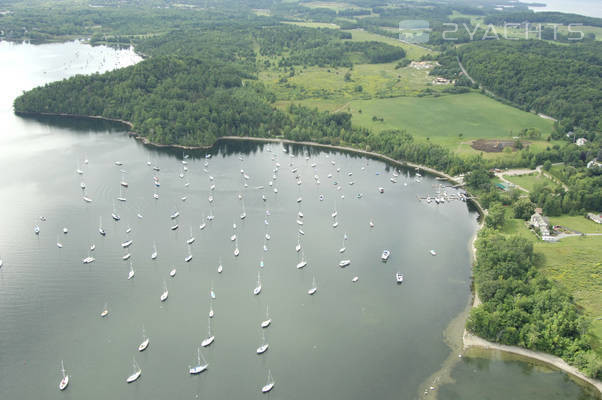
369	339
591	8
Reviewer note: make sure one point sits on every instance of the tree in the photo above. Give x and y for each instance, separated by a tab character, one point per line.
547	165
479	179
523	208
496	216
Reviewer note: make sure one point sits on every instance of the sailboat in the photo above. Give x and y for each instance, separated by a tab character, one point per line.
314	287
220	268
265	323
131	273
198	368
36	229
264	347
343	248
89	259
191	240
210	338
121	198
270	383
189	256
165	292
105	310
257	289
211	312
135	374
126	257
127	243
114	214
236	251
154	254
175	214
145	341
298	246
211	291
344	263
123	181
172	273
65	381
243	215
203	223
58	244
302	263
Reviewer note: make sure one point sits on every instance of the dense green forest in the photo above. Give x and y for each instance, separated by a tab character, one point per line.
562	81
521	307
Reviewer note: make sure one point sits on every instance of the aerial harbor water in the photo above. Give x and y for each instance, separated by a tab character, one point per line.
166	278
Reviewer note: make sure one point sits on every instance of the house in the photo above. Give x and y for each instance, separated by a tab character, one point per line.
538	221
594	163
581	141
597	218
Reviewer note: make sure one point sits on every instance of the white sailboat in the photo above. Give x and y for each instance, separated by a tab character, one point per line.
243	215
175	214
343	248
189	256
65	381
105	310
191	239
314	287
211	291
298	246
132	272
114	214
211	312
236	250
145	341
257	289
302	263
58	244
165	292
127	243
126	257
265	323
199	367
220	267
172	273
264	347
154	254
210	338
120	197
100	228
135	374
270	383
344	263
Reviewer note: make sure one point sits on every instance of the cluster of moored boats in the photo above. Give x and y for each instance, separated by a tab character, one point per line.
201	364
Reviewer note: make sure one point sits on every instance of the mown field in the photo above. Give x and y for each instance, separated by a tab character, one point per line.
578	223
529	181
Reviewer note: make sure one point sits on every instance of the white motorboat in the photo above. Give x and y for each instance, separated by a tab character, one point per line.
87	199
175	214
172	273
88	260
105	311
355	279
433	252
344	263
126	257
399	277
127	243
36	229
174	227
385	256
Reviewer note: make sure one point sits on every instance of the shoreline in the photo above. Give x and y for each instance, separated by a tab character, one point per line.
468	339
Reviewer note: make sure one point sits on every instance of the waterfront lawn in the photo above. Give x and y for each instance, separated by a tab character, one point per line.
529	181
576	264
578	223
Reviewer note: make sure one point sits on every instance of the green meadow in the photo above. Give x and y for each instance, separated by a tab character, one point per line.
529	181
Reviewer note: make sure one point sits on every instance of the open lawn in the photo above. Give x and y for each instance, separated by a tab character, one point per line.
448	120
332	5
576	264
307	24
578	223
529	181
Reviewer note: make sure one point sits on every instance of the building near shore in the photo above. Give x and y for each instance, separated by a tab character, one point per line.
539	222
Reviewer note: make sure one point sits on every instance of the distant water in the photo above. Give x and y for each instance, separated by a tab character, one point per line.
370	339
590	8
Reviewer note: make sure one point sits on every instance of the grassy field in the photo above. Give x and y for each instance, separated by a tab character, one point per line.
529	181
306	24
575	263
376	80
412	52
578	223
333	6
